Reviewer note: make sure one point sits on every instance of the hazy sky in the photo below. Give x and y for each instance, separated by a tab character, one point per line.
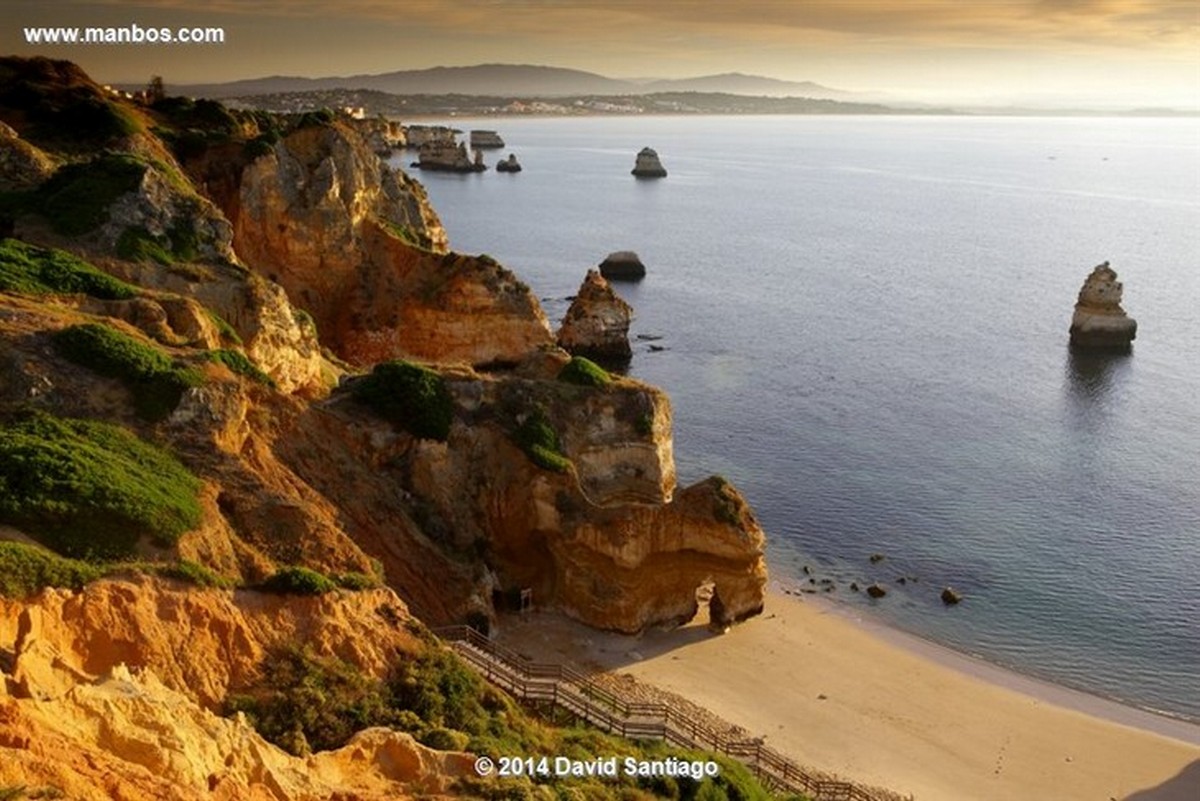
1098	52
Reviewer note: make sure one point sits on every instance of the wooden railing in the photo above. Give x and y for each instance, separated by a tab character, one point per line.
580	695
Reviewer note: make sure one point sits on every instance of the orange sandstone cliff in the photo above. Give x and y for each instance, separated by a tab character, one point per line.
264	266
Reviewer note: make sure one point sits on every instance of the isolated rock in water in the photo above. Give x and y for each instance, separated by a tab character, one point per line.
443	156
1099	322
876	591
648	165
480	139
597	324
623	265
951	596
509	164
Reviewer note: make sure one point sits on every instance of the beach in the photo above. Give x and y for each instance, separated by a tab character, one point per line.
883	708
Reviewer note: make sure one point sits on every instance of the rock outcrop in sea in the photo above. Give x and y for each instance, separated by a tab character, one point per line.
449	157
622	265
509	164
1099	324
597	323
485	139
648	164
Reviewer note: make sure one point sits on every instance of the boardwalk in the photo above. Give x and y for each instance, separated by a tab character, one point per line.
576	693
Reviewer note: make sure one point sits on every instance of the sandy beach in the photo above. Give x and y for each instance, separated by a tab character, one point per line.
884	708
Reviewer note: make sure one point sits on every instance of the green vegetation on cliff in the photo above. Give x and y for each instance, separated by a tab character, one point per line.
91	490
411	396
537	437
306	703
157	383
239	363
33	271
77	198
584	372
25	569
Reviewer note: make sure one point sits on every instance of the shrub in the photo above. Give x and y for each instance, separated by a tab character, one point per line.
138	244
584	372
77	197
356	581
260	145
414	397
296	580
442	690
194	573
91	490
311	702
156	382
25	569
441	739
238	363
540	442
33	270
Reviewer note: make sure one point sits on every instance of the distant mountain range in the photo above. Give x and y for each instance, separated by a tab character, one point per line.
509	80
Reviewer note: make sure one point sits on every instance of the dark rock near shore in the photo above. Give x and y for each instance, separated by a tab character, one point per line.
951	596
623	265
877	557
876	591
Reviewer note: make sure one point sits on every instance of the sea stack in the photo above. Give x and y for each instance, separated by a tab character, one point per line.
509	164
448	156
485	139
648	165
597	324
623	265
1099	323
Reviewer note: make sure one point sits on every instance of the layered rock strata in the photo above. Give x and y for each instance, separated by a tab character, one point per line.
596	325
1099	324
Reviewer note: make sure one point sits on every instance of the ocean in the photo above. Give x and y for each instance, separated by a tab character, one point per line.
863	325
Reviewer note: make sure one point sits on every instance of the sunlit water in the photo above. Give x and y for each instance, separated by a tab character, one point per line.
864	322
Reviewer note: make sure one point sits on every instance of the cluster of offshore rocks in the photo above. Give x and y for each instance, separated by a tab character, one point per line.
875	590
1099	323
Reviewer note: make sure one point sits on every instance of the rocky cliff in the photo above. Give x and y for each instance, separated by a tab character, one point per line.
201	316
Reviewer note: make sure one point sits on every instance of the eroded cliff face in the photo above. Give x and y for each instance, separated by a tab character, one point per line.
357	245
111	693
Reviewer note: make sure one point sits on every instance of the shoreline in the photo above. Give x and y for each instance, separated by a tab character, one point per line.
879	706
1114	710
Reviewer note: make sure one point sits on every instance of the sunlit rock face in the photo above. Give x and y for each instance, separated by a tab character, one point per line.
1099	322
597	323
358	246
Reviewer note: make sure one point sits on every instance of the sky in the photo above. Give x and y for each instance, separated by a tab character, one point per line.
1097	53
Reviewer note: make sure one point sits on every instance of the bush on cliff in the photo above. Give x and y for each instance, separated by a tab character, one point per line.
413	397
157	383
584	372
91	490
540	442
239	363
76	199
34	271
26	569
297	580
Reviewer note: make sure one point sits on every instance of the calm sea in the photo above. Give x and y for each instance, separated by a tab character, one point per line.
864	325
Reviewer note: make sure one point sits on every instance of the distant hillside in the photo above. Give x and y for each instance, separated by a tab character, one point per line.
510	80
736	83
